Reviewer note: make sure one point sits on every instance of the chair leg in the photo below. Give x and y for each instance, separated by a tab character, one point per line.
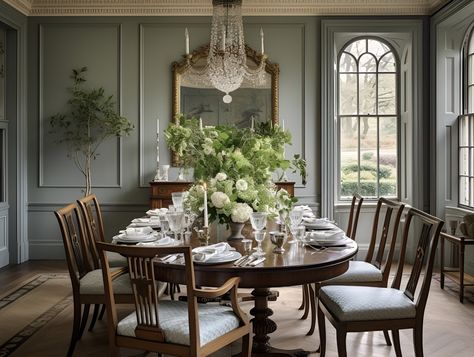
75	328
94	317
396	343
247	345
303	294
313	303
418	340
341	343
322	332
102	312
387	338
306	305
85	316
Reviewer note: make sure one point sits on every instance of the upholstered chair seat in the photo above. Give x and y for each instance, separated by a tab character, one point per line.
363	303
116	260
93	283
359	271
214	321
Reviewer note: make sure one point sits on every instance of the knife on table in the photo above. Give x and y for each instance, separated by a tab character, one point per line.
257	262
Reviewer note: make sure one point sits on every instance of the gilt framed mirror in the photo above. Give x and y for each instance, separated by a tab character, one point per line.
193	94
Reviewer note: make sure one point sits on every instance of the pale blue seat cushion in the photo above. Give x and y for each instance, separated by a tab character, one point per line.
93	283
363	303
214	321
116	260
358	272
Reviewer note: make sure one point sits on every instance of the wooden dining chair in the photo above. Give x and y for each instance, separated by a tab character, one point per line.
171	327
86	280
307	304
94	227
375	269
368	308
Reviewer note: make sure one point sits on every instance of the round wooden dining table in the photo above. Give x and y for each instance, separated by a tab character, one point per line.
296	266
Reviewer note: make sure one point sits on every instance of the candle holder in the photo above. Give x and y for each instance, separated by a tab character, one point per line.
203	235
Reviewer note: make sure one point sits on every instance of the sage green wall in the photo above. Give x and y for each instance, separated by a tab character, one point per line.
131	58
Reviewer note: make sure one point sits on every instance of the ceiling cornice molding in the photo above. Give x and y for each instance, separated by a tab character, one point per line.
204	7
24	6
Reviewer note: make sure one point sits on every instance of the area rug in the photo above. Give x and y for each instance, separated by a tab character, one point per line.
28	308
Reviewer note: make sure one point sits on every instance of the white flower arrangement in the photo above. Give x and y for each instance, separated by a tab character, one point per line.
241	213
241	185
221	176
219	199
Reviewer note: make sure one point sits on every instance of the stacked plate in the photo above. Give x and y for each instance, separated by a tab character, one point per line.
215	254
328	238
152	222
136	235
318	223
156	211
163	242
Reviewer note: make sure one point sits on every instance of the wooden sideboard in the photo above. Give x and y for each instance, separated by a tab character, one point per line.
160	191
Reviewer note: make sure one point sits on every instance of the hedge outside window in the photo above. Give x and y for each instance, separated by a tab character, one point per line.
466	127
367	120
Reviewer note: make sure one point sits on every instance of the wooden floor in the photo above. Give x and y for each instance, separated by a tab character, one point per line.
448	332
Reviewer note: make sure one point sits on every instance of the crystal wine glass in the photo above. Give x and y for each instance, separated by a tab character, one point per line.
176	222
164	225
259	222
177	198
296	216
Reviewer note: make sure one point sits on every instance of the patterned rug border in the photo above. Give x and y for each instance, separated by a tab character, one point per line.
10	346
29	286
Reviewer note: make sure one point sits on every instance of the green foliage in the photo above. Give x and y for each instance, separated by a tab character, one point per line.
91	118
369	188
384	170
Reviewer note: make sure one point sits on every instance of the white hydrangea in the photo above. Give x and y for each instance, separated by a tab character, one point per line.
241	213
199	189
221	176
208	150
241	185
219	199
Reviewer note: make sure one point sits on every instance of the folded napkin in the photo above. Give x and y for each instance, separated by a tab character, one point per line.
157	211
133	232
163	242
307	211
203	254
327	236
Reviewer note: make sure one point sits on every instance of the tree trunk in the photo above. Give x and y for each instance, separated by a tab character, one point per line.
88	176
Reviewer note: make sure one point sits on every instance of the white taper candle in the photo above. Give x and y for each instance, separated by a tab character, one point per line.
262	45
186	37
206	218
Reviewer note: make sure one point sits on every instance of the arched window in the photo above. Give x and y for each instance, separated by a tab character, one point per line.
466	127
367	119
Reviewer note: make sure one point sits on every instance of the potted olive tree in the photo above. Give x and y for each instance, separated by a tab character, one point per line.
91	118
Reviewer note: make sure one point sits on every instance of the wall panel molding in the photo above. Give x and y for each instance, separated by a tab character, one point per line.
41	116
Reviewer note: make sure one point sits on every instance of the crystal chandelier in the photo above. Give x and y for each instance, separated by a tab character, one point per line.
227	59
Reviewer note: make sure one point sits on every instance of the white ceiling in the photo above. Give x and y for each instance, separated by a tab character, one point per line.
204	7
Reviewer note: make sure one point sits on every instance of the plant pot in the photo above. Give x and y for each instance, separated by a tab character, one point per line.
236	231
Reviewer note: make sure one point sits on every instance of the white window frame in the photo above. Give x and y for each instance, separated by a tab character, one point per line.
359	116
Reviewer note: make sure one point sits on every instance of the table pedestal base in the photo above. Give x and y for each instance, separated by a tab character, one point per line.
263	325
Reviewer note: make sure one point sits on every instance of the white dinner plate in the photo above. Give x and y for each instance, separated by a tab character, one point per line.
123	238
319	225
336	243
144	224
226	257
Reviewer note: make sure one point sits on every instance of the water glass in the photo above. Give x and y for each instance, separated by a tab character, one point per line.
259	237
258	220
176	222
178	198
164	224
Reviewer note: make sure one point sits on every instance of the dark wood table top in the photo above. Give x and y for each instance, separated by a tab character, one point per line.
297	265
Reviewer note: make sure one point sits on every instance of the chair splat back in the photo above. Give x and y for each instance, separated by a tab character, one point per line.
428	236
75	245
354	215
92	215
145	293
391	212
